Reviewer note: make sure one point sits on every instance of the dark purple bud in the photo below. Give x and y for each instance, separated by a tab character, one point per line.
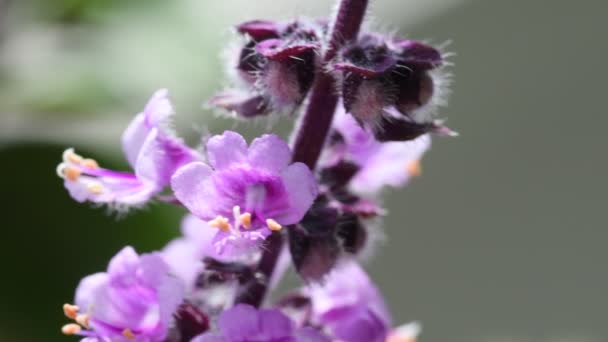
415	90
276	67
339	175
190	322
259	30
351	232
313	243
241	103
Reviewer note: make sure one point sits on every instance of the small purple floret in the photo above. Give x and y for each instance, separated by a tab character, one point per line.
243	323
257	181
152	151
136	297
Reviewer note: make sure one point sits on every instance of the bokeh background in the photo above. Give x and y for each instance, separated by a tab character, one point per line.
502	239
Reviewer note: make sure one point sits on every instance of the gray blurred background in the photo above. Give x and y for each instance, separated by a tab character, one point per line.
502	238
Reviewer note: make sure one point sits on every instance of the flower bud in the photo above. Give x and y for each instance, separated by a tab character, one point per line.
391	85
275	67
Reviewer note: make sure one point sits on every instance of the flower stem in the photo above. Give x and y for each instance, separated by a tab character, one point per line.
318	116
313	129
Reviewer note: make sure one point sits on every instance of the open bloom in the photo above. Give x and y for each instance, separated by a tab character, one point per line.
373	164
350	306
151	149
244	323
245	192
393	86
133	300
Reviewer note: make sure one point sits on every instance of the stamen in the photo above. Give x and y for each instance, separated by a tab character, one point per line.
83	320
90	163
72	173
128	334
245	220
71	329
95	188
414	168
70	310
70	156
220	222
273	225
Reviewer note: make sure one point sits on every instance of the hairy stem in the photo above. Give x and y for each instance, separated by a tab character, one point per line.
313	129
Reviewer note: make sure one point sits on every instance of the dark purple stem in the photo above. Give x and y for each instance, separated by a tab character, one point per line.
313	129
318	116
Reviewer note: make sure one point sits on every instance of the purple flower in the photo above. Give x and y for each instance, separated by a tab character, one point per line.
245	192
133	300
374	164
244	323
350	306
393	86
151	149
275	68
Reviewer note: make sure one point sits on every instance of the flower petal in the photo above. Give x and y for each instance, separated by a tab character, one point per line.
85	292
193	188
226	149
301	188
269	152
133	138
240	323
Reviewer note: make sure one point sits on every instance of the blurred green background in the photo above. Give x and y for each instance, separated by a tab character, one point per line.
502	239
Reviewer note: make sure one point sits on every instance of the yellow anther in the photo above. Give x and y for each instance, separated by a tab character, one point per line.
397	338
95	188
128	334
220	222
414	169
245	220
90	163
71	329
70	310
83	320
70	156
273	225
72	173
74	158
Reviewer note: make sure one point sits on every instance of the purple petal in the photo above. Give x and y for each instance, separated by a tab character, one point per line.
88	287
124	263
419	54
156	111
192	186
301	188
184	259
133	138
239	323
242	103
269	152
260	29
226	149
275	50
372	70
309	334
274	324
209	337
389	165
153	269
170	295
